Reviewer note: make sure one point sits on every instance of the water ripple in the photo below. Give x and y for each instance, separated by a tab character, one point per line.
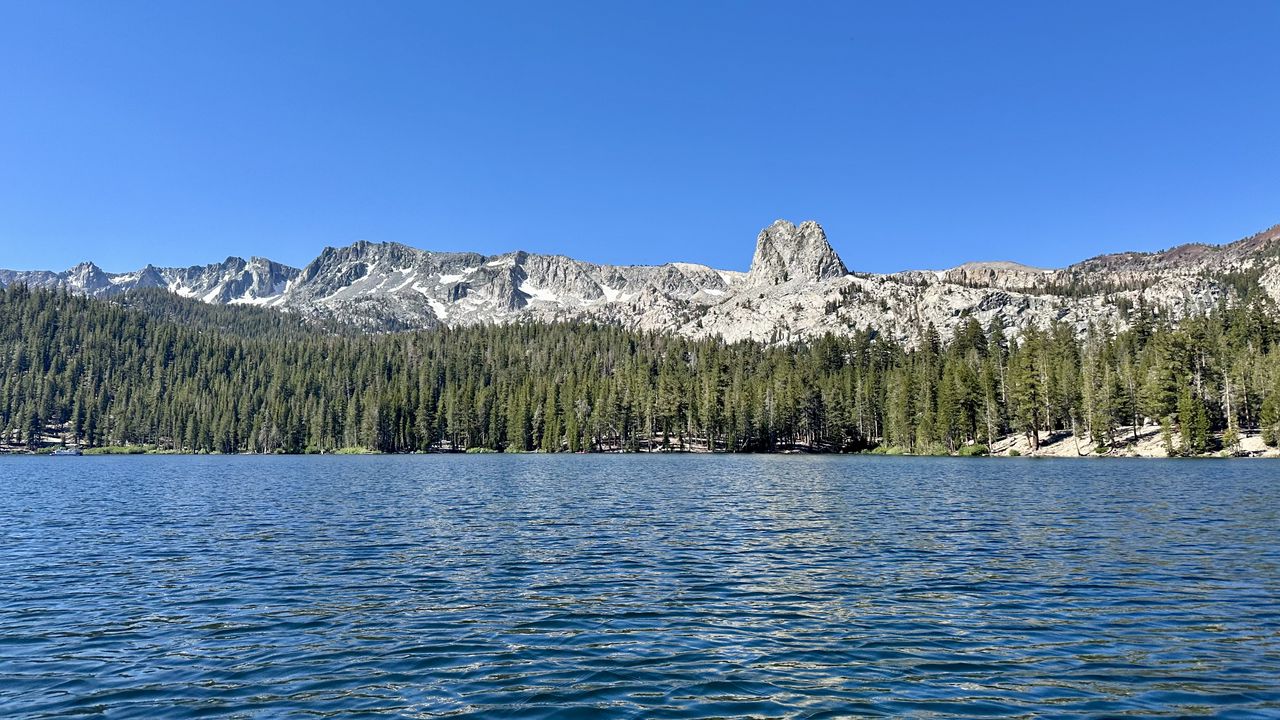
637	587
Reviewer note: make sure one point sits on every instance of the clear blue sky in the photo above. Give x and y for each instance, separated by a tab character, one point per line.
919	134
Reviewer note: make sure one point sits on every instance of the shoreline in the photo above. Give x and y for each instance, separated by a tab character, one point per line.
1058	444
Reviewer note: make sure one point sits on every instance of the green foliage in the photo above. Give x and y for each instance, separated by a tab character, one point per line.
1166	436
170	375
1271	419
240	320
1193	424
975	450
117	450
1230	438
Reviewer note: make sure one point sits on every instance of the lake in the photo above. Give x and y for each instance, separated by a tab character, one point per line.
637	587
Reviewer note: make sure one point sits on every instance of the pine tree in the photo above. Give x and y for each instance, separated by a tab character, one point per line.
175	374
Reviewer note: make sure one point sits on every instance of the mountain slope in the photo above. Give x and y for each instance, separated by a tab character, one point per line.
797	287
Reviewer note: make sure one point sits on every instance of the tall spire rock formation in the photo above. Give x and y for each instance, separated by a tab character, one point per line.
785	252
797	289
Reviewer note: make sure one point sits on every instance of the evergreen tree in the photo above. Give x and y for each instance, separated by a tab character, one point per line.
176	374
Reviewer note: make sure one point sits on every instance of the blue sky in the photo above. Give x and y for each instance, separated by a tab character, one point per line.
919	134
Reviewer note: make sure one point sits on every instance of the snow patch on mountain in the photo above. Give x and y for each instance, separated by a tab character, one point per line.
797	288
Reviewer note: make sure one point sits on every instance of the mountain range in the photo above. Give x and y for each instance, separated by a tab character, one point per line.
797	287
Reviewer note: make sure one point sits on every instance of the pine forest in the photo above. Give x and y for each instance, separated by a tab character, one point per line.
162	373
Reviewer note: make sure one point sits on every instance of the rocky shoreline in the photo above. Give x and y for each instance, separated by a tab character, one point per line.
1148	444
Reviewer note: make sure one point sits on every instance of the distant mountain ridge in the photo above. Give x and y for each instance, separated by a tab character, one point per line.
797	287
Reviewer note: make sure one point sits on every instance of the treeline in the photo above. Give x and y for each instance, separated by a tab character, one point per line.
193	378
242	320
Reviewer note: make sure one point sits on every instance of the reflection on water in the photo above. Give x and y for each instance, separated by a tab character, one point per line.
637	587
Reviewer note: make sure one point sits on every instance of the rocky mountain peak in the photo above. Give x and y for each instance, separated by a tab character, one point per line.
786	252
797	288
84	268
87	277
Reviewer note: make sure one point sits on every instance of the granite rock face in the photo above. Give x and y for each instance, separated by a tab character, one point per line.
787	253
797	288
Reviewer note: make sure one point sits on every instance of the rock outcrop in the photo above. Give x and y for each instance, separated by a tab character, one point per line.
787	253
797	288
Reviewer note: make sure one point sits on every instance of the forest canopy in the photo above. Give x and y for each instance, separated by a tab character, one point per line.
178	375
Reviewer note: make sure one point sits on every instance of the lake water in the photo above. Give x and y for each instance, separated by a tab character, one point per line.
642	586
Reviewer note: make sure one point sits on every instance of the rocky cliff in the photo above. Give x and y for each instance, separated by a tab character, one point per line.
785	253
797	287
